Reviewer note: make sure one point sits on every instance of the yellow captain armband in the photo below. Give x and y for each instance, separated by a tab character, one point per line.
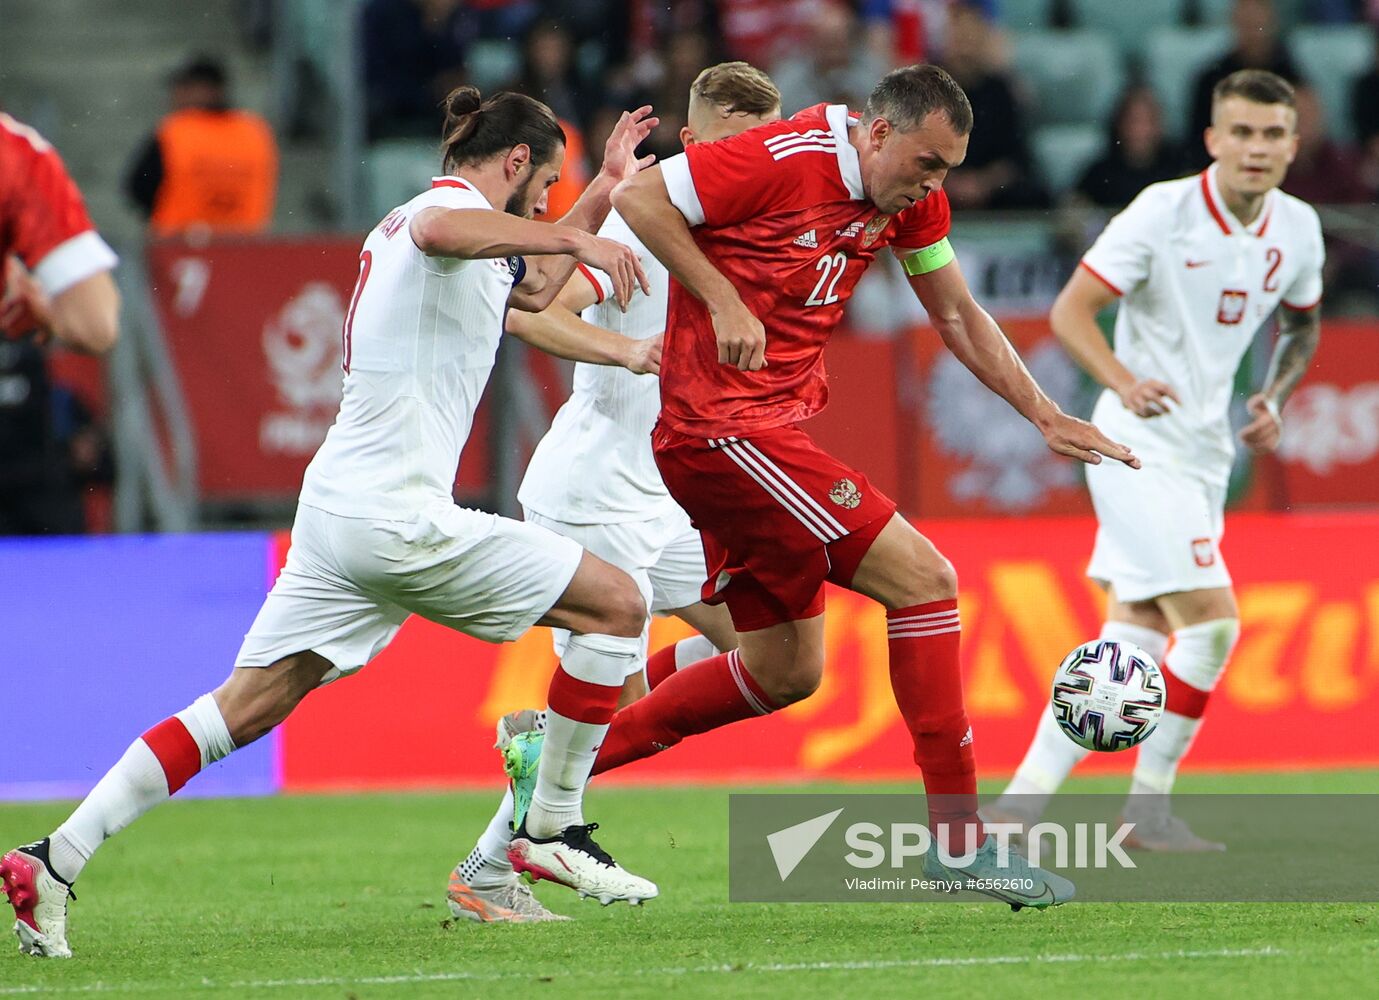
931	258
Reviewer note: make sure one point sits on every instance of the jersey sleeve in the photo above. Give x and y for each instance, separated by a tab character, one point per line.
720	183
1306	290
614	228
1120	257
922	226
51	230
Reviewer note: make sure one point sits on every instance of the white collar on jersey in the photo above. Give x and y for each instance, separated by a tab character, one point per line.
1216	205
848	164
449	181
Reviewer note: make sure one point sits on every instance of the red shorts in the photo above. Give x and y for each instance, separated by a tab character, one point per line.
778	515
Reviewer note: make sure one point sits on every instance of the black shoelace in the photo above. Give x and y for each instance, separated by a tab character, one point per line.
580	838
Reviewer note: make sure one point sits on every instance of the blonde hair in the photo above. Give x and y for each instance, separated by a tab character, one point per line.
735	88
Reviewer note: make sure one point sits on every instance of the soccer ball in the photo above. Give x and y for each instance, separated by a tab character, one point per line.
1108	695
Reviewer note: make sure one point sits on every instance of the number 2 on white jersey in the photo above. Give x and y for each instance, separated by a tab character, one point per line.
832	266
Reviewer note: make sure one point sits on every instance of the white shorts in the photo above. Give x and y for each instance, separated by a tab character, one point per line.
664	555
350	582
1158	530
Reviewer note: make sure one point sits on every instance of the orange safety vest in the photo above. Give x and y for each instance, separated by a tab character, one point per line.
220	169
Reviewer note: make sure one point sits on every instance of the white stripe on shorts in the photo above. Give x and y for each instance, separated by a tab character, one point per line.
819	528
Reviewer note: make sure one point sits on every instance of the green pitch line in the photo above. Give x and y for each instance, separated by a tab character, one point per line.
339	896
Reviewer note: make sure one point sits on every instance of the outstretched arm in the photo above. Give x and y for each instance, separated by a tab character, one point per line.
474	233
558	330
645	205
1300	331
546	276
975	340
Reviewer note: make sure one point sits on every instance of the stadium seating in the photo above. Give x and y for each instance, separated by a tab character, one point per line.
1063	152
1290	12
1173	59
1074	76
492	63
1130	24
395	170
1026	15
1331	58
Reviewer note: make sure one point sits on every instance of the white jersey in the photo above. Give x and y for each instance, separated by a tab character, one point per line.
1196	285
419	342
594	466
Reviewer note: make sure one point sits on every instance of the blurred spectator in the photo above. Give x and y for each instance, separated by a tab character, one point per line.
498	19
834	65
762	31
1364	110
1138	153
997	172
207	164
1325	172
414	52
549	73
1257	46
50	448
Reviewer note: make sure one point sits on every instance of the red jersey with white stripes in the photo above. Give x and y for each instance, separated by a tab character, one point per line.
43	218
780	211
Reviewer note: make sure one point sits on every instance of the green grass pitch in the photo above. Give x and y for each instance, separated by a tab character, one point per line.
342	896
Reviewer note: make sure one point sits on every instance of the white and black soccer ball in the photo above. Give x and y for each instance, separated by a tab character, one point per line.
1108	695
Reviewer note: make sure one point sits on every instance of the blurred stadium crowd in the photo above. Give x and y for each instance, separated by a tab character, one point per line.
1084	98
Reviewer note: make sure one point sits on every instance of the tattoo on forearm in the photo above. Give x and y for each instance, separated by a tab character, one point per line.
1299	333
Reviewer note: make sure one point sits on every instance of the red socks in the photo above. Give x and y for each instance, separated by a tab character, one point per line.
659	666
927	682
702	696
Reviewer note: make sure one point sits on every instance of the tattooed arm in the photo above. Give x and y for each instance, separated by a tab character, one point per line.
1299	333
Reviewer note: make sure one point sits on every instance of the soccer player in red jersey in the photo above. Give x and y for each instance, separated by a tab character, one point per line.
766	234
55	266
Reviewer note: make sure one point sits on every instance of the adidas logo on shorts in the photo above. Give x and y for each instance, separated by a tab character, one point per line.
807	240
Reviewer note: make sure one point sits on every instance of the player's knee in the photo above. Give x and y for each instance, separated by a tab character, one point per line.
625	610
792	682
929	577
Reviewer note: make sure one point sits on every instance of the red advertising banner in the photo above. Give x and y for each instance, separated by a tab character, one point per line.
254	328
1302	689
976	456
1330	447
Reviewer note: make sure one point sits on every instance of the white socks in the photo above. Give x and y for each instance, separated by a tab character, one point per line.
487	865
1051	755
155	765
1199	656
583	697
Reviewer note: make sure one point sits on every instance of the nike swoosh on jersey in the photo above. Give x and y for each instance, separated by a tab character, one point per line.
1197	263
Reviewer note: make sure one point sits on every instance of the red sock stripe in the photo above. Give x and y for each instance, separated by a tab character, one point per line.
175	749
1182	697
581	700
751	691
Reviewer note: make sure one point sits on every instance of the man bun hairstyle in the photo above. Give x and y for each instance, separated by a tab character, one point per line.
476	129
736	88
1256	85
907	96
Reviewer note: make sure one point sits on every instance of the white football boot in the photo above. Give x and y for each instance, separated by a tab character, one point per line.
39	899
511	903
573	859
